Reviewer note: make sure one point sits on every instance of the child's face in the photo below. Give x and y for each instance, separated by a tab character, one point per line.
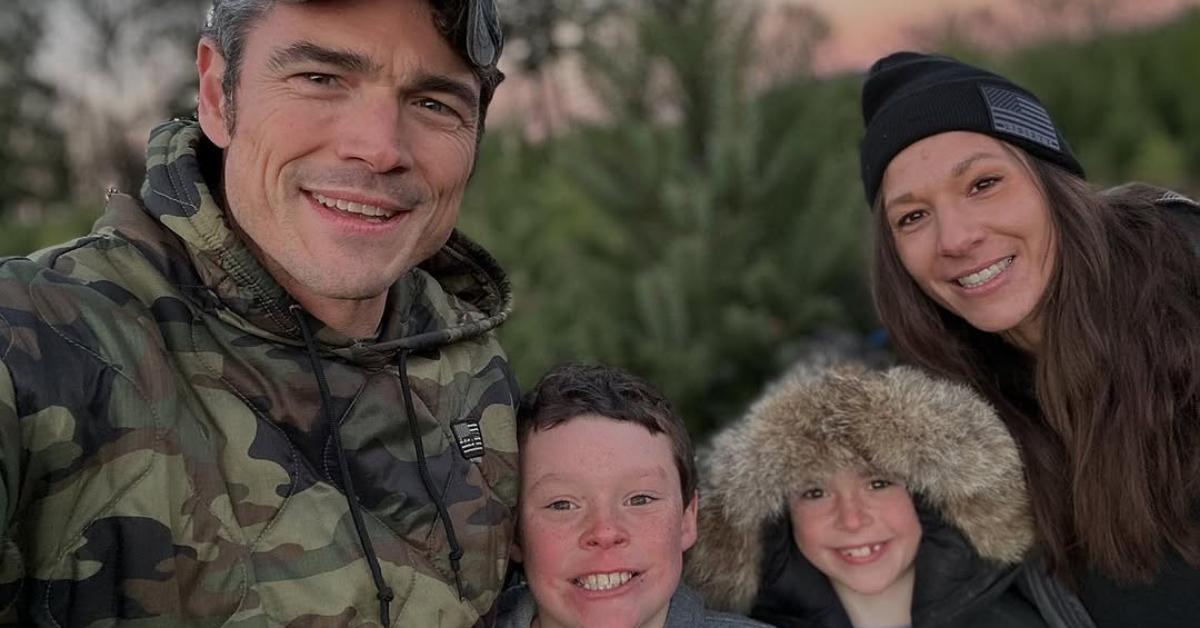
603	525
860	530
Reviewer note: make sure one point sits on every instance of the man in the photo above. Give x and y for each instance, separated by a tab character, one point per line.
268	393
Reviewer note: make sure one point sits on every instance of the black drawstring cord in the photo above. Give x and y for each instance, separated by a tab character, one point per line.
456	552
383	591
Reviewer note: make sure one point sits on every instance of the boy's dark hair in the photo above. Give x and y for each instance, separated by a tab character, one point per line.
571	390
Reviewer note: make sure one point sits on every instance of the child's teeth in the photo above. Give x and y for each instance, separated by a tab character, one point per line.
864	551
604	581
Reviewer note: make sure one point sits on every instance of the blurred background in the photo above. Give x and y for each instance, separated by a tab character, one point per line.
671	184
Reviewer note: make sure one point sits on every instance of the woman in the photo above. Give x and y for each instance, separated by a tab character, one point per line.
1077	313
855	498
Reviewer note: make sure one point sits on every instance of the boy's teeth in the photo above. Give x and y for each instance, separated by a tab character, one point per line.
351	207
979	278
604	581
862	552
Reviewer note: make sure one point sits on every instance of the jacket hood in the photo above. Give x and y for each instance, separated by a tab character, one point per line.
458	293
947	444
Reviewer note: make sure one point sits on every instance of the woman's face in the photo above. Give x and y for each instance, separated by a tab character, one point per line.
861	531
972	228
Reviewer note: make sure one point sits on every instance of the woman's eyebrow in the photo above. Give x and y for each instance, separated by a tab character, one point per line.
962	166
907	197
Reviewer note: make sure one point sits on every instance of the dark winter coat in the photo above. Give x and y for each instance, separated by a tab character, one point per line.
1172	598
948	446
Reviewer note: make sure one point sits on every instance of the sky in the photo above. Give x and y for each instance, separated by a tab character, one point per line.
863	30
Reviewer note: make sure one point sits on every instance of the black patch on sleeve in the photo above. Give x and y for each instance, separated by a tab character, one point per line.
469	436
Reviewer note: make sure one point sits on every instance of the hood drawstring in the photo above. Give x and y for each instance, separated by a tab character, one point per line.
383	591
438	498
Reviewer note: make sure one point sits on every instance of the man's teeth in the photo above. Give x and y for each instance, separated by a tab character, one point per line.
362	209
981	277
604	581
862	552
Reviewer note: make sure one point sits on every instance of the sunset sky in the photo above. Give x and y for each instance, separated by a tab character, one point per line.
866	29
862	31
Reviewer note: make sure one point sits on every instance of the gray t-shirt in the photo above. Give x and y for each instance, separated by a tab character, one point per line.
517	610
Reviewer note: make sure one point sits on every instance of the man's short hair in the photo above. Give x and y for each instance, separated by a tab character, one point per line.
572	390
229	23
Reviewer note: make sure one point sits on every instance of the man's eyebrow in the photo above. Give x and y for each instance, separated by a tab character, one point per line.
307	51
443	84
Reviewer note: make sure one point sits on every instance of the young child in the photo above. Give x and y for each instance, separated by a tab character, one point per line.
848	497
607	507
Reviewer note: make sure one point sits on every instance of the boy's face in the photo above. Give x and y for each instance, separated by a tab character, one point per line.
603	525
860	530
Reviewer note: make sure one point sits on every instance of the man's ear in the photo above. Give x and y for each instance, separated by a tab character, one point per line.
689	531
211	104
514	551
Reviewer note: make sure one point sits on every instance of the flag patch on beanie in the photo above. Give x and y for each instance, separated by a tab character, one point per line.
1018	115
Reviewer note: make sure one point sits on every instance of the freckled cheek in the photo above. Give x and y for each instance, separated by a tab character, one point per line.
546	548
659	534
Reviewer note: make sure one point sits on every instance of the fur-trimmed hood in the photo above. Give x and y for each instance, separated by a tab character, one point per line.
940	438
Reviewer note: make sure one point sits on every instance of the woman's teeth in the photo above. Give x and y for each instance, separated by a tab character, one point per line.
978	279
351	207
604	581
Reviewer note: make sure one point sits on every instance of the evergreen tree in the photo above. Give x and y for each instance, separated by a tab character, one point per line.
701	231
33	170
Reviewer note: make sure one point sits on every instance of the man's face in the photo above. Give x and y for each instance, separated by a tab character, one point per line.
354	139
603	525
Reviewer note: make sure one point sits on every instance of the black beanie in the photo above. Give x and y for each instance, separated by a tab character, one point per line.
909	96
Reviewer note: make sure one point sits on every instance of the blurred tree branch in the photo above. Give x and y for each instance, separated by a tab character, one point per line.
118	66
33	168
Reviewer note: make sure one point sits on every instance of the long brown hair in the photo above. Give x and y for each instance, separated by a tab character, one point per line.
1106	414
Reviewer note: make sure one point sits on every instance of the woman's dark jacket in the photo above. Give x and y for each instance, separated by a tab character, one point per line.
973	567
1172	598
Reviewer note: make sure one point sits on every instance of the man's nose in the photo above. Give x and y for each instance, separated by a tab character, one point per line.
374	132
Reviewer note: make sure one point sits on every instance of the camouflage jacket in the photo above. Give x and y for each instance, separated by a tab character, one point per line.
164	460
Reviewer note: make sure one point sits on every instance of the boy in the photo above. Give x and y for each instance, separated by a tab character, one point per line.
852	497
607	508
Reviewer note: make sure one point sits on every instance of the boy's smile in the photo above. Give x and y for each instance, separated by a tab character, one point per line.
863	554
603	525
605	581
860	531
